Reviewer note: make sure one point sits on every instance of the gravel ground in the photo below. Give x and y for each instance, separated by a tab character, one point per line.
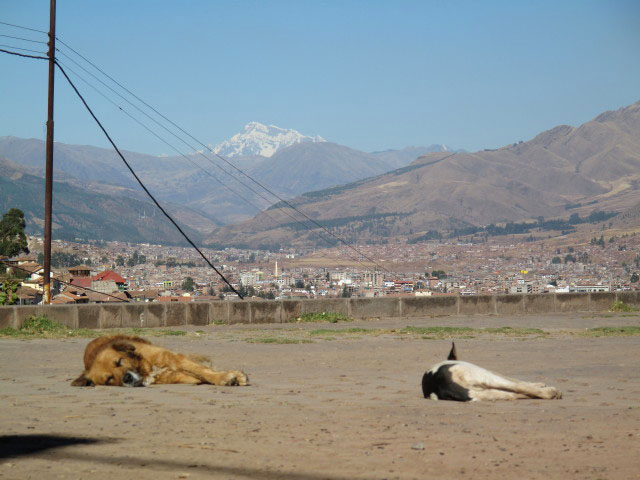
333	405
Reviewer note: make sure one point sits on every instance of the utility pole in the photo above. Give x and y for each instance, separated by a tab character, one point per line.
48	193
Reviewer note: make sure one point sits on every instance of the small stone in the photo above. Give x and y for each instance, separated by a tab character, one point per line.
417	446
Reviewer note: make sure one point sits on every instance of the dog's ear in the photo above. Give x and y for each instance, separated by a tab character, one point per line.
453	355
127	348
124	347
82	381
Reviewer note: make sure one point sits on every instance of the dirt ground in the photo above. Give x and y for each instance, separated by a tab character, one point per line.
344	406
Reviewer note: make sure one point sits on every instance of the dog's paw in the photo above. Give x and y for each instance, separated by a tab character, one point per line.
235	378
552	393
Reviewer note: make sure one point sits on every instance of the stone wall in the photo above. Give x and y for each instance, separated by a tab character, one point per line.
143	315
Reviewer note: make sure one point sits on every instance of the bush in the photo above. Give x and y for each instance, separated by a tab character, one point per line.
619	306
41	325
330	317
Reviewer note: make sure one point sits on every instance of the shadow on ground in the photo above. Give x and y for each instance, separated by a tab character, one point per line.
12	446
15	446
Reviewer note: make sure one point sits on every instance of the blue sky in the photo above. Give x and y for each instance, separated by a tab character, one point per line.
371	75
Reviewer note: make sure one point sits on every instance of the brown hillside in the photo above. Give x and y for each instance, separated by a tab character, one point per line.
593	166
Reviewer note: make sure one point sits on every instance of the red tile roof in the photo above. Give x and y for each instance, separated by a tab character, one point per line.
109	275
81	282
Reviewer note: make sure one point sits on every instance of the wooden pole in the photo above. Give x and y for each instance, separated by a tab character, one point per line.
49	157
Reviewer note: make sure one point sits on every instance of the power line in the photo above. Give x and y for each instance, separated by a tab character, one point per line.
193	138
24	39
313	221
259	209
285	202
166	129
146	127
142	184
24	28
44	58
23	49
248	187
21	54
182	140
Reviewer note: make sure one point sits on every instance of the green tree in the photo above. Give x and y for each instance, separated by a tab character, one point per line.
634	278
120	261
12	237
574	219
8	289
600	241
267	295
136	259
188	284
556	260
64	259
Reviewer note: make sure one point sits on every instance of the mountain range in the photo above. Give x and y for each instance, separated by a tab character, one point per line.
565	170
359	196
204	190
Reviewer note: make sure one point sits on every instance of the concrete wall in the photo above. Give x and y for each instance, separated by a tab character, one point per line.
141	315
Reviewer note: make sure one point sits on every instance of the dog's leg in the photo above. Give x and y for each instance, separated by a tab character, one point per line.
178	362
207	375
477	378
167	377
493	394
531	390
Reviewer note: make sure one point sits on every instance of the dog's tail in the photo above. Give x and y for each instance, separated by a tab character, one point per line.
453	355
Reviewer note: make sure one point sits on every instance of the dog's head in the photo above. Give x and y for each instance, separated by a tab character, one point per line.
438	377
114	362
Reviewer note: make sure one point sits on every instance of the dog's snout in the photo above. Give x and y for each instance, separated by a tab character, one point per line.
132	379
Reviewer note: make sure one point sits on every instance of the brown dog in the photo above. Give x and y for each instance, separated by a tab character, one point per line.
123	360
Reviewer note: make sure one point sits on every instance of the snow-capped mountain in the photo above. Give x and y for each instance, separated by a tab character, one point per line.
259	139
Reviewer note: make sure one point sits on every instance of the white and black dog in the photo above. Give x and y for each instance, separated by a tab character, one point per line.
464	382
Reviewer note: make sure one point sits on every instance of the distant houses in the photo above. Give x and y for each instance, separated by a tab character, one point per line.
75	286
106	286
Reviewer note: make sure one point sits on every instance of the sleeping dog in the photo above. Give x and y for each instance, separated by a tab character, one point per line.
464	382
127	361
